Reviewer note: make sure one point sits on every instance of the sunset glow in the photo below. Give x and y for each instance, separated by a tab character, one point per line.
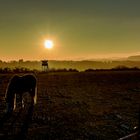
48	44
69	30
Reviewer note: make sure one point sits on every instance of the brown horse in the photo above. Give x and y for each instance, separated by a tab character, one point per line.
19	85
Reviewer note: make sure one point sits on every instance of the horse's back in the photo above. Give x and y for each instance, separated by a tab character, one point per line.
24	82
29	79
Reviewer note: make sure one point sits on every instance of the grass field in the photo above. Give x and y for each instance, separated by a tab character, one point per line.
83	105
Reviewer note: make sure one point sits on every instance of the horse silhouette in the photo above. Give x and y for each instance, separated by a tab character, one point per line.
17	86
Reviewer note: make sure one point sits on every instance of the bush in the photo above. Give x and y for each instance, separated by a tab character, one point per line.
125	68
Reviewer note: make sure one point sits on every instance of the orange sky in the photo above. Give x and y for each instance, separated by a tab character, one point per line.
80	29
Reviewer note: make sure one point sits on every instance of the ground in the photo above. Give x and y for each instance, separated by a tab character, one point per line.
83	105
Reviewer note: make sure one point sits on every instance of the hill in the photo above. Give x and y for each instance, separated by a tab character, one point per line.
134	58
79	65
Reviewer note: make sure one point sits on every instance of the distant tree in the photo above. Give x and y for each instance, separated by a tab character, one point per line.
20	61
7	70
89	70
73	70
121	67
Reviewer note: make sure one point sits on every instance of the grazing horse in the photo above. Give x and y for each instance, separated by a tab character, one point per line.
19	85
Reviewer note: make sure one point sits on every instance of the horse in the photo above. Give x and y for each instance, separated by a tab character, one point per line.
19	85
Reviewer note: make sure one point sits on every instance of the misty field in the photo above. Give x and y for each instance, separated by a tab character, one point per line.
83	105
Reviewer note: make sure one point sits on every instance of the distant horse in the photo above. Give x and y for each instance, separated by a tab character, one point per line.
19	85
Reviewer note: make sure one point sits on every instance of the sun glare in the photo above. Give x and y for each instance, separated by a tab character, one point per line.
48	44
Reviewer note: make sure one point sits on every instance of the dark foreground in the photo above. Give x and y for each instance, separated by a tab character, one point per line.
100	105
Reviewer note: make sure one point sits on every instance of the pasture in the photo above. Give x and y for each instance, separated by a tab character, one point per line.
83	105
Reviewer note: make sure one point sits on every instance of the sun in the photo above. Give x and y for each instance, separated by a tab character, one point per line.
48	44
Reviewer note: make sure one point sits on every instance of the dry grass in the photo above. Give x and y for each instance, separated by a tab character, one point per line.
98	105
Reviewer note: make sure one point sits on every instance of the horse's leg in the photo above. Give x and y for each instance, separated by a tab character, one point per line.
10	103
20	100
15	101
33	94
